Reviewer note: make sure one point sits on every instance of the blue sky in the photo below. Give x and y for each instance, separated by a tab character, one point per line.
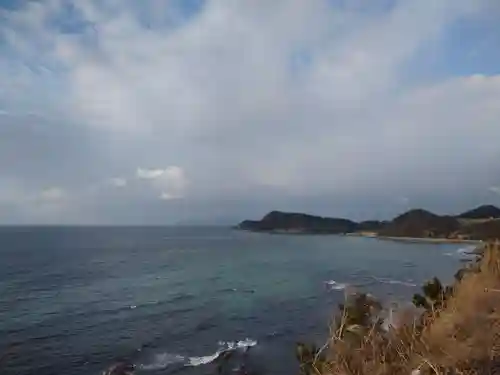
160	111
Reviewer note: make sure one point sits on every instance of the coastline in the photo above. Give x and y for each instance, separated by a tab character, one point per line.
456	332
367	235
478	244
482	223
416	239
430	240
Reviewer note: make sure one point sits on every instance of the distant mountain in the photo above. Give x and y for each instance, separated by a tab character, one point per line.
277	221
420	223
416	223
482	212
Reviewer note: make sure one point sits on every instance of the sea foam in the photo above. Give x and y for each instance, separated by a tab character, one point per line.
163	360
394	282
334	285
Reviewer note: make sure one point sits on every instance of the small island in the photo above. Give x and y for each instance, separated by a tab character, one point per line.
479	224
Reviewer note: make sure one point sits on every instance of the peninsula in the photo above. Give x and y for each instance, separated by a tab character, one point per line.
479	224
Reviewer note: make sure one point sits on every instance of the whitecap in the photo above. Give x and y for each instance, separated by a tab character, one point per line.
462	252
161	361
335	285
395	282
197	361
133	307
247	343
225	346
466	250
243	344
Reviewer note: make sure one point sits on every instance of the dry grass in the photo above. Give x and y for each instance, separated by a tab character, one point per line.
462	337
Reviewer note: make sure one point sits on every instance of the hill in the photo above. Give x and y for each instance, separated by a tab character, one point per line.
475	224
486	230
291	222
482	212
420	223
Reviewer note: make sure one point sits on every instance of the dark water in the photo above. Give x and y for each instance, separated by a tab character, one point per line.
74	300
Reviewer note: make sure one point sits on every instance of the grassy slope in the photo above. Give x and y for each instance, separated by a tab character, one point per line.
460	337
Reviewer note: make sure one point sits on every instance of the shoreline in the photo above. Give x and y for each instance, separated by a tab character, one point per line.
456	325
294	232
478	244
417	239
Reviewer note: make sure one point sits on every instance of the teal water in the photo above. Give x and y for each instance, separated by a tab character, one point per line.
75	300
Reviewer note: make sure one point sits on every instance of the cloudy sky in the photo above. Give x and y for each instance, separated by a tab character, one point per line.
167	111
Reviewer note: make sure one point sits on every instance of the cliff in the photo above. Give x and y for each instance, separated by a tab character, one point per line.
456	330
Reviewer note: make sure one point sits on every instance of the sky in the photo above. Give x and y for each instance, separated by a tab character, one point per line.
214	111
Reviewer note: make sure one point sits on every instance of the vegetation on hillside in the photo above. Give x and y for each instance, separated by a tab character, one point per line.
481	212
457	331
482	223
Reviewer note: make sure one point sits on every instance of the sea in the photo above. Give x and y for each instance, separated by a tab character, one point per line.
75	300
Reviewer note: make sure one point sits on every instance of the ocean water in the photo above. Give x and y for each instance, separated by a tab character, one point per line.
74	300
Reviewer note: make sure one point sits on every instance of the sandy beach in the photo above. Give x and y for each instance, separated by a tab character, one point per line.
416	239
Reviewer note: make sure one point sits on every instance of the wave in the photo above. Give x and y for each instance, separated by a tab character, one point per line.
334	285
163	360
395	282
466	250
198	361
228	290
463	251
243	344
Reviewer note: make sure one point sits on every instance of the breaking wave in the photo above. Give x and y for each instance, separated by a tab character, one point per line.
163	360
395	282
197	361
462	252
334	285
466	250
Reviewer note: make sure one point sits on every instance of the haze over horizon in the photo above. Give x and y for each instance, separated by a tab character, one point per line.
168	111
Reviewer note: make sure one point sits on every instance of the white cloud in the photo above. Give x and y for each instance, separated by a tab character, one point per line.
171	181
52	194
230	64
118	182
150	174
299	97
495	189
34	205
168	196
